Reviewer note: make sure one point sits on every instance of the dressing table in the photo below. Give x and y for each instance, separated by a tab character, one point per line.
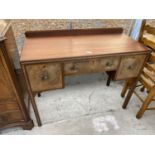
48	56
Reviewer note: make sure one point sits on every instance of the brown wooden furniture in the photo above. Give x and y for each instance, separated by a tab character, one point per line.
147	78
48	56
12	106
134	33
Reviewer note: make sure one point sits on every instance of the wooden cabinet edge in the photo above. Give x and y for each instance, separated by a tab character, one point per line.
26	122
25	125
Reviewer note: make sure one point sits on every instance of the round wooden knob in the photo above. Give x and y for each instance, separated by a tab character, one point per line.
130	67
109	63
74	67
45	76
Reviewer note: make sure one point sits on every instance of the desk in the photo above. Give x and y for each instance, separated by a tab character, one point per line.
48	56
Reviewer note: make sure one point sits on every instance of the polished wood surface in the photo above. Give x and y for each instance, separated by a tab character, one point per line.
73	46
5	82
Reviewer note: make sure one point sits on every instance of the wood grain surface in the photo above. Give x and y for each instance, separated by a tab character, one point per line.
71	46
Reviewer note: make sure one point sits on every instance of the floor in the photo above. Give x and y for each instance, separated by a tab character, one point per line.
87	106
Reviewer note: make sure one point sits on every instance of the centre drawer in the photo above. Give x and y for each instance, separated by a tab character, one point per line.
44	76
106	64
91	66
78	67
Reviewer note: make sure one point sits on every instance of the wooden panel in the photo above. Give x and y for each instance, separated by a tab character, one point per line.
12	109
91	66
10	117
130	66
71	46
76	32
10	41
8	106
6	90
11	47
106	64
44	76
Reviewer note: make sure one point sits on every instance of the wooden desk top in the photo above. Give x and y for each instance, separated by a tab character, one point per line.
44	45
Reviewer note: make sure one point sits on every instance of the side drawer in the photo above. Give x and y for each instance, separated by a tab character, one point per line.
130	66
44	76
10	117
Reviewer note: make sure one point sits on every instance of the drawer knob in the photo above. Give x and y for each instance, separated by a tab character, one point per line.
130	67
109	63
74	67
45	76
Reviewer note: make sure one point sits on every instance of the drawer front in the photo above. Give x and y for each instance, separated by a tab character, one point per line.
71	68
8	106
44	76
106	64
91	66
11	117
130	66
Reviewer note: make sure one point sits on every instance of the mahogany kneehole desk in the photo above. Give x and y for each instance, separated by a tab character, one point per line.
48	56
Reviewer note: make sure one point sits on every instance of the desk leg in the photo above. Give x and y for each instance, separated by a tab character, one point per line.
130	92
109	80
30	93
33	102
